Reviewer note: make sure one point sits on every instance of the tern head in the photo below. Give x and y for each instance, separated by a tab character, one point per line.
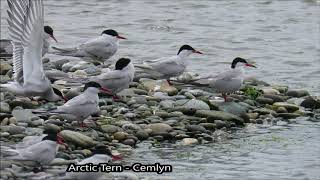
122	63
49	31
238	61
53	136
187	50
94	87
112	33
102	149
59	93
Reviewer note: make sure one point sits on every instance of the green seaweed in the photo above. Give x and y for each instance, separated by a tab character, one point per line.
252	92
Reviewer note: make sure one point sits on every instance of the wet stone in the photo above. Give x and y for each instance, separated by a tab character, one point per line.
297	93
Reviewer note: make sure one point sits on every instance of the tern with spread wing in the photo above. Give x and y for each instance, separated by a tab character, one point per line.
165	68
101	48
26	33
230	81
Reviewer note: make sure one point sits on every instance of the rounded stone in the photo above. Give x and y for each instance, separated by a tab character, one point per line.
159	127
130	142
110	129
297	93
220	124
281	110
77	138
4	107
142	135
264	100
189	141
289	107
120	136
195	128
4	122
52	128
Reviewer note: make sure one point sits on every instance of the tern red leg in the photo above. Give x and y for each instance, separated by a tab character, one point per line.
116	98
224	97
83	125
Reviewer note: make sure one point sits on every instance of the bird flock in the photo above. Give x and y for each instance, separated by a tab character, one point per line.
30	42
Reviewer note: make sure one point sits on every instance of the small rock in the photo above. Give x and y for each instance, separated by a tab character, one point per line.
167	104
37	122
189	141
193	104
275	98
281	88
163	86
281	110
52	128
219	115
232	108
220	124
288	115
26	103
297	93
130	142
120	136
269	90
196	128
253	115
59	63
311	103
13	129
4	122
77	138
264	100
130	126
4	67
159	128
110	129
4	107
80	73
208	126
263	111
142	135
289	107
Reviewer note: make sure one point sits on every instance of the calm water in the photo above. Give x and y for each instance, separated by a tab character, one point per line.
281	36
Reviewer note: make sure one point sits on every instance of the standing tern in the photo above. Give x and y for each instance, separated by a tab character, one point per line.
230	81
101	48
42	152
167	67
6	47
115	80
26	33
83	105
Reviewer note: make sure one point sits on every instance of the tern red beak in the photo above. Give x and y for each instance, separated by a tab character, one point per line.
108	91
65	99
198	52
116	158
53	38
60	140
251	65
120	37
